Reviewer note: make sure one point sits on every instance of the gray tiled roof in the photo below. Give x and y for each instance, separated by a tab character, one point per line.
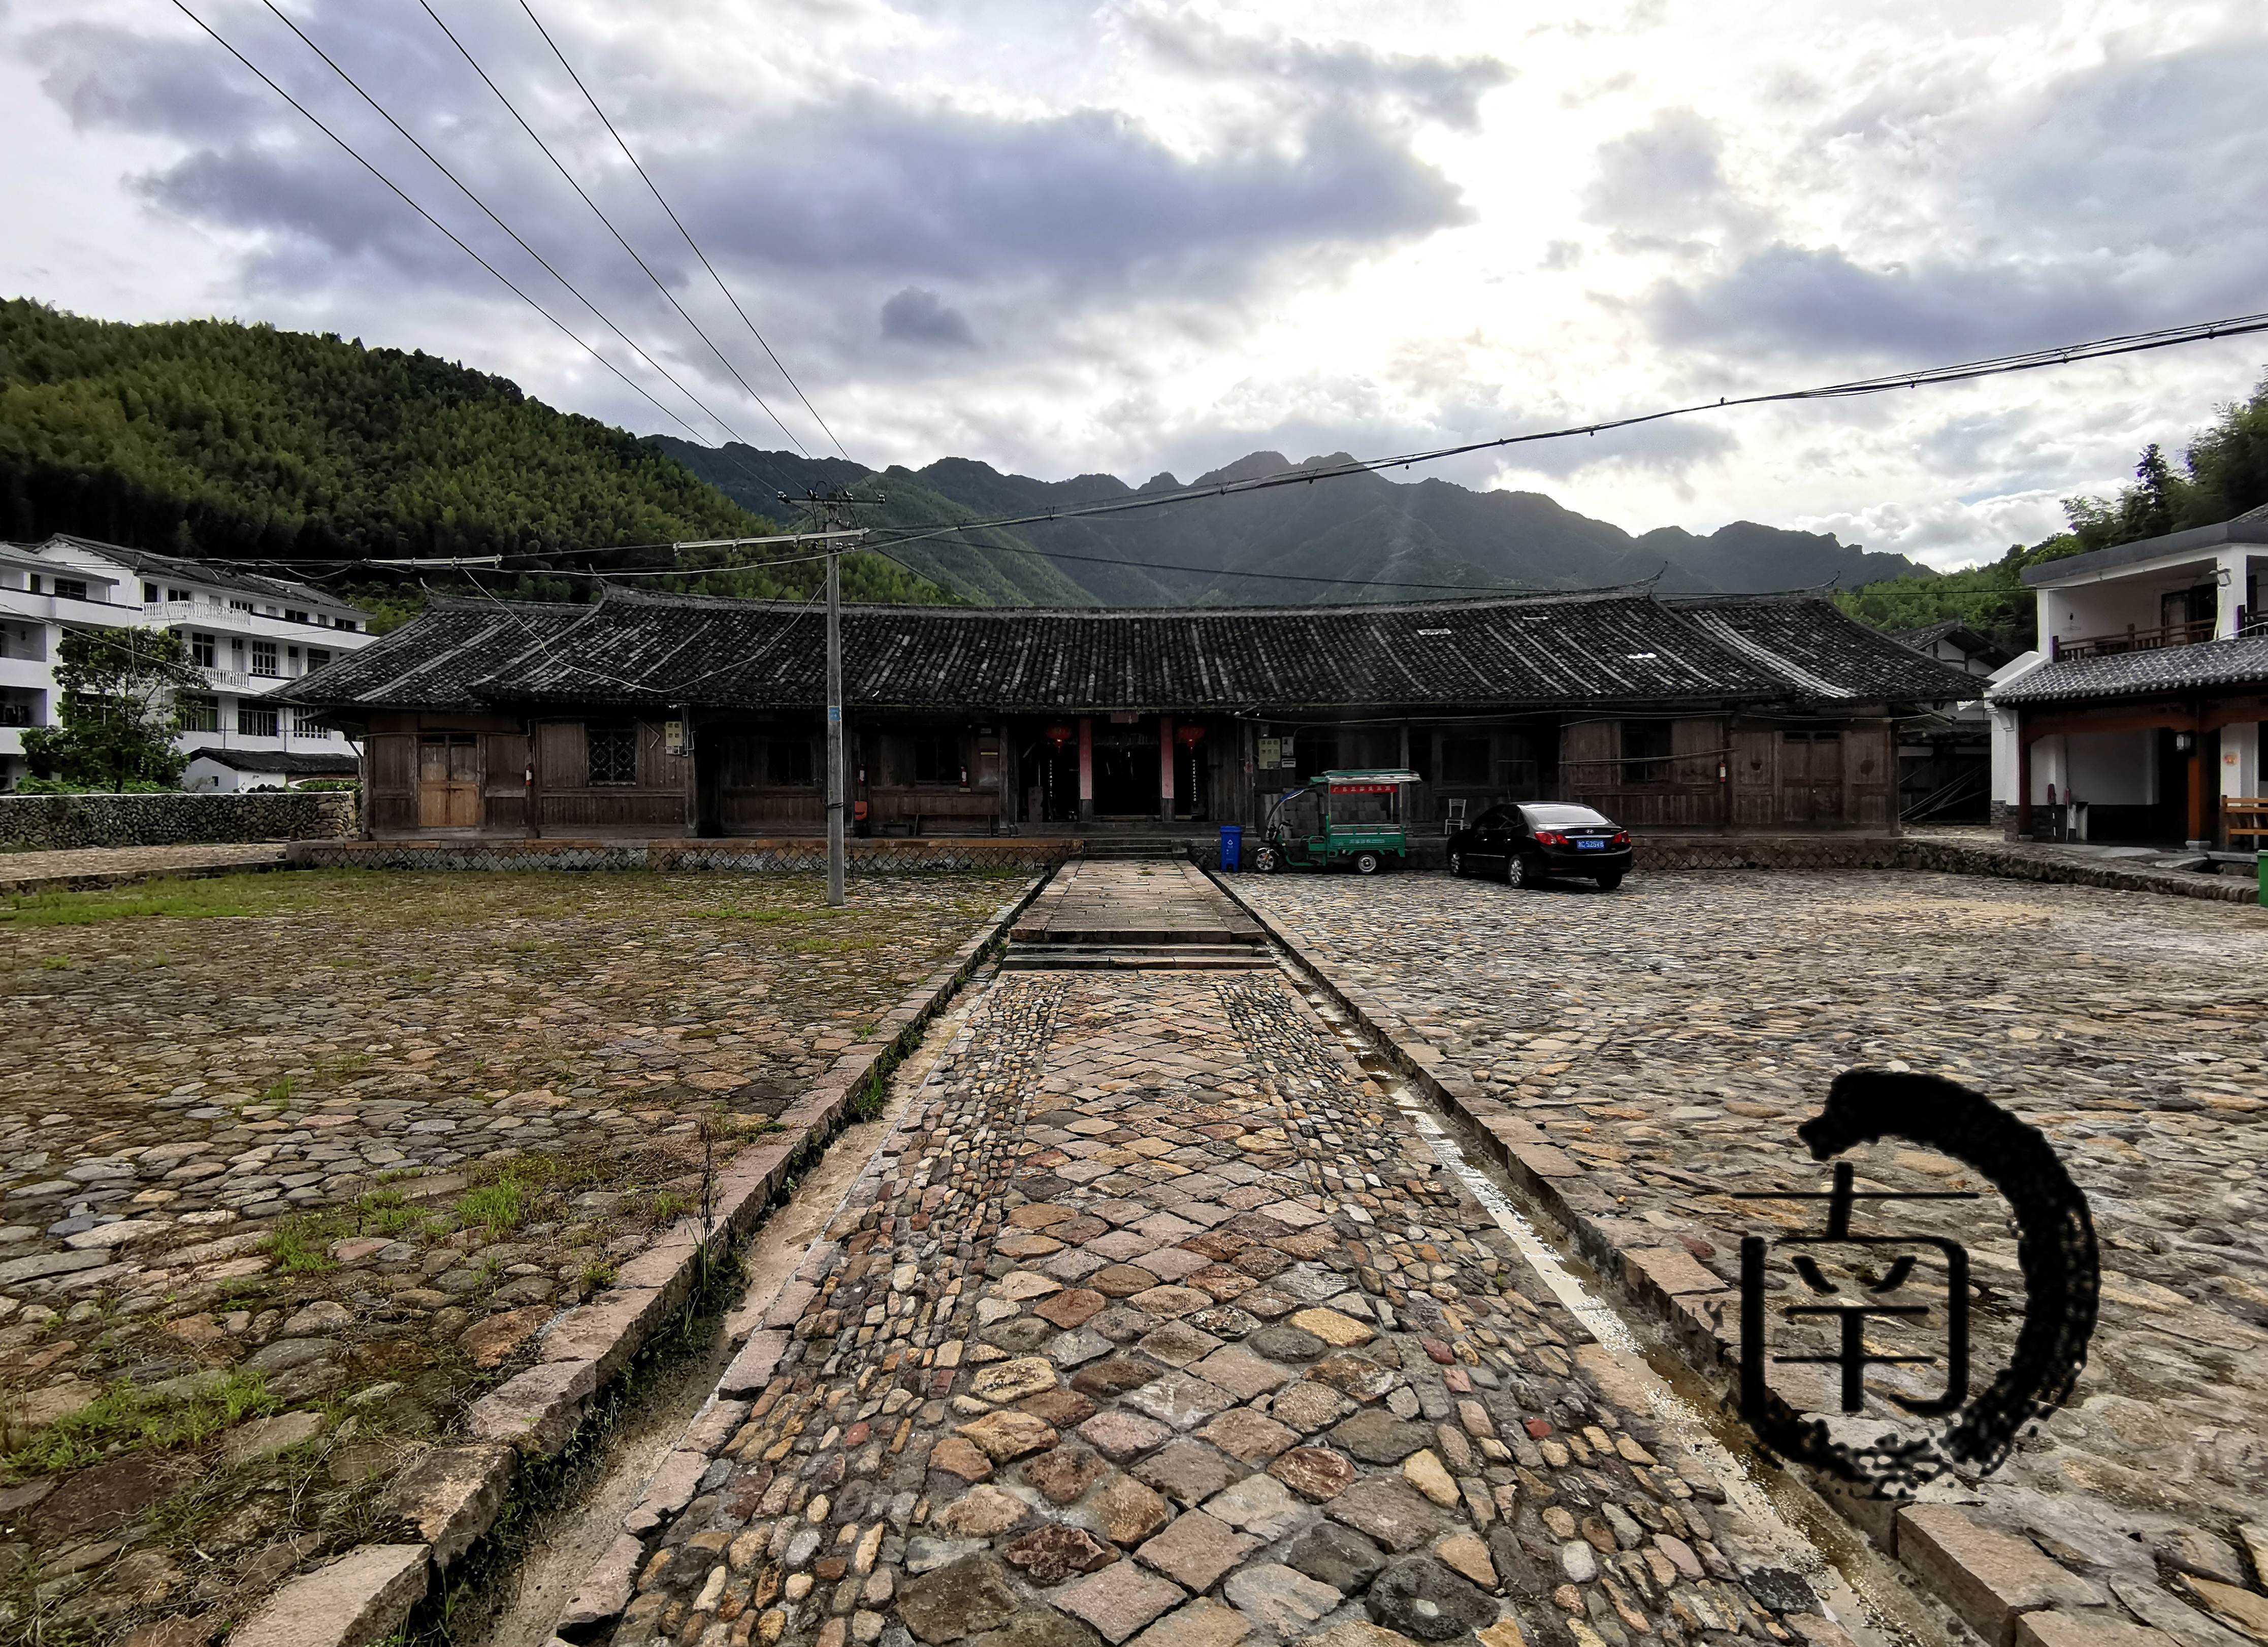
2209	663
1614	646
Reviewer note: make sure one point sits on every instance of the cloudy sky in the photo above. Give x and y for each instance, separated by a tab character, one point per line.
1146	236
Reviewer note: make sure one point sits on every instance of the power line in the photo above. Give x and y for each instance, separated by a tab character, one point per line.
681	229
501	278
465	190
658	284
2032	360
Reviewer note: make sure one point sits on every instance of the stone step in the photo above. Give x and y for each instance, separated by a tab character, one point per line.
1056	933
1127	957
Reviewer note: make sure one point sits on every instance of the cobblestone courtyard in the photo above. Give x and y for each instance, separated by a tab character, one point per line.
1669	1038
292	1165
1156	1323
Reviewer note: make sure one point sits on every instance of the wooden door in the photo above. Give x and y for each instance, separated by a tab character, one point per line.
448	780
1755	779
1811	777
1870	775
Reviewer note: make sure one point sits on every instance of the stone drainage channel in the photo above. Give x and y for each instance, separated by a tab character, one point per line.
524	1608
1862	1591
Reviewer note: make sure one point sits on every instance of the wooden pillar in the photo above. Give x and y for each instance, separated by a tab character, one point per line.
1086	767
535	776
1165	768
366	771
2024	779
2196	835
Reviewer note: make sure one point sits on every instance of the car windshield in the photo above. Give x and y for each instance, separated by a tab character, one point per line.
1564	817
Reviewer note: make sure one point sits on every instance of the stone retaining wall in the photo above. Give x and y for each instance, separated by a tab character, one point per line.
53	823
799	857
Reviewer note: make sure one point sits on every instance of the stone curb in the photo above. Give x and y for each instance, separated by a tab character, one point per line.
451	1497
1989	1578
96	880
2006	861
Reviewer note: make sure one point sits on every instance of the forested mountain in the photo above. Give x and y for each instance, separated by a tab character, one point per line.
239	442
1360	537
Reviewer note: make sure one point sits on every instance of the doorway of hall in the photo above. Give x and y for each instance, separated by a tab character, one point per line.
1126	774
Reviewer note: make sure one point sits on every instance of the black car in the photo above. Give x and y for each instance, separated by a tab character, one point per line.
1529	842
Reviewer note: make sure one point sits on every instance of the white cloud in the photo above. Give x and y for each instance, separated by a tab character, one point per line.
1165	233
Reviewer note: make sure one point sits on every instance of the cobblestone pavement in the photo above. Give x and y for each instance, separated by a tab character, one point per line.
1669	1038
20	870
293	1166
1156	1323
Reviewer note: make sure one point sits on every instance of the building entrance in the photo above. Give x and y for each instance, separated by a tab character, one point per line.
1126	777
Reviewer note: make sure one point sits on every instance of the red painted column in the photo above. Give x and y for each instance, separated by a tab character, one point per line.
1086	766
1165	768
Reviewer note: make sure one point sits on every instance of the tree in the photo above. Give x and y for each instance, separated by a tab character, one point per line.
115	691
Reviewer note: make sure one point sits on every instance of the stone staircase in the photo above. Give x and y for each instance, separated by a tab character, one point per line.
1130	914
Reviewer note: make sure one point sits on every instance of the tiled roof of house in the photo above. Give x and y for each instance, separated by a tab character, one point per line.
1540	651
2239	662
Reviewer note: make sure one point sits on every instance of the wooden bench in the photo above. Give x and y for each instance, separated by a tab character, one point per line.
2244	817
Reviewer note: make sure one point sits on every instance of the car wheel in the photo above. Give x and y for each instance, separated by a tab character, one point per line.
1607	883
1366	864
1515	871
1457	865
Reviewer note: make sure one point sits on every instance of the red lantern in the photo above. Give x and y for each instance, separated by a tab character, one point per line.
1191	736
1060	735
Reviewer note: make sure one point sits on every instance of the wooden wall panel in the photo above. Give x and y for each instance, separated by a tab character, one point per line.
562	756
1756	777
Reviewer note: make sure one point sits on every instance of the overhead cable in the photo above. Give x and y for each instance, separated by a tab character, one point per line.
658	283
467	191
2032	360
503	279
681	229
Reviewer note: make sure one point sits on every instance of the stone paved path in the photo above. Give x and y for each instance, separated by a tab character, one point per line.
1667	1039
94	866
1134	902
1155	1323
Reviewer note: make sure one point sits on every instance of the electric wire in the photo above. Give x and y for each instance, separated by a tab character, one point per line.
2032	360
681	229
505	281
510	109
465	190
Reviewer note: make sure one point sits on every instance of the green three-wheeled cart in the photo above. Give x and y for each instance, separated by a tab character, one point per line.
1351	817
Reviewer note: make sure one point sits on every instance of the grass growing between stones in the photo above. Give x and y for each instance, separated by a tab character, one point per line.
125	1416
395	1121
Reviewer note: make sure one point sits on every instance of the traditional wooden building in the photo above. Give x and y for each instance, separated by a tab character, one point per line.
649	715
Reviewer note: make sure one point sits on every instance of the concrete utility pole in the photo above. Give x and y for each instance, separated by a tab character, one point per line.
834	512
836	787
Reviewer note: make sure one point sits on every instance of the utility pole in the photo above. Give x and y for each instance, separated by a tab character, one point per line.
835	786
833	510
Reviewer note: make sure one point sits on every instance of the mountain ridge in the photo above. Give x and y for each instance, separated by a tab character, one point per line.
1437	537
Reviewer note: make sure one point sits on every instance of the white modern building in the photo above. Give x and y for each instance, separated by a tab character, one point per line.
249	634
2138	718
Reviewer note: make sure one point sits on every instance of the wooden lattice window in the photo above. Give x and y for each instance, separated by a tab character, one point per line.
614	754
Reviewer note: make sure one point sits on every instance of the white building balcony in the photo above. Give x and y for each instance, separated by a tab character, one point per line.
26	673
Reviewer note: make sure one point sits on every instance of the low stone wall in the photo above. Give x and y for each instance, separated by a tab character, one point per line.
61	823
798	856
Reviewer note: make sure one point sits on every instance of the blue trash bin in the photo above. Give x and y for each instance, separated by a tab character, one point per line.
1232	849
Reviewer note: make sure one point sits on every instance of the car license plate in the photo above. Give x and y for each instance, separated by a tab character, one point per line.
1590	846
